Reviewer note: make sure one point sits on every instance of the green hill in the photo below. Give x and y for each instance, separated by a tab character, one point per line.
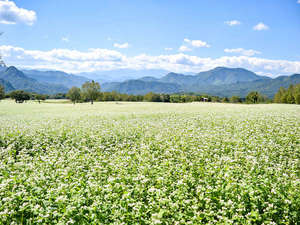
141	87
21	82
220	81
56	77
7	86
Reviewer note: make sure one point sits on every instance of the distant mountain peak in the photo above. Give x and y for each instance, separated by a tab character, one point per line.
221	68
218	68
19	80
11	69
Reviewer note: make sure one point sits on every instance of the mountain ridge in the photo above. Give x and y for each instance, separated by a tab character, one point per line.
20	81
221	81
56	77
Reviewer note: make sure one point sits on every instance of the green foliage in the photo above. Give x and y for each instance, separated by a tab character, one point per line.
40	97
225	100
20	96
74	94
2	92
58	96
255	97
148	163
152	97
235	99
90	91
290	95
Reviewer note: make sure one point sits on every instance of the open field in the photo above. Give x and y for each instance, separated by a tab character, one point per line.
149	163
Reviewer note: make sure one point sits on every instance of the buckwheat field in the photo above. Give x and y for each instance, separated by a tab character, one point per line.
149	163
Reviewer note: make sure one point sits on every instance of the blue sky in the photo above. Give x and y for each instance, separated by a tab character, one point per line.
175	35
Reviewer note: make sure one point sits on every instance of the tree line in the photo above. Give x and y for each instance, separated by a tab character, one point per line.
290	95
91	92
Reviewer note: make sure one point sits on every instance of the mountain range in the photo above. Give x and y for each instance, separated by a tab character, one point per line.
13	79
56	77
220	81
121	75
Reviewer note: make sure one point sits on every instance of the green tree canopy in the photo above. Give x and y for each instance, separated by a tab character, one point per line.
74	94
2	92
40	97
254	97
235	99
20	96
90	91
290	95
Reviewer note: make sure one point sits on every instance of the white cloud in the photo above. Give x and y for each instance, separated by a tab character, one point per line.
103	59
241	51
12	14
184	48
196	43
125	45
65	39
260	26
168	49
232	22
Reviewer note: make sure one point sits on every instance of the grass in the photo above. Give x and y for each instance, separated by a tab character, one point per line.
149	163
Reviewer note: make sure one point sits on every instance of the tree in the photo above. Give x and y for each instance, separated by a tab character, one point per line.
296	93
152	97
74	94
165	98
40	97
290	95
254	97
175	98
225	100
278	98
2	92
90	91
235	99
20	96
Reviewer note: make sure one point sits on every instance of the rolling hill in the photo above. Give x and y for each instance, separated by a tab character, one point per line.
220	81
7	86
20	81
141	87
56	77
120	75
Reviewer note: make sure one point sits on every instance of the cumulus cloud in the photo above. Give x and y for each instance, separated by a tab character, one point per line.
196	43
103	59
232	22
125	45
12	14
184	48
260	26
241	51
